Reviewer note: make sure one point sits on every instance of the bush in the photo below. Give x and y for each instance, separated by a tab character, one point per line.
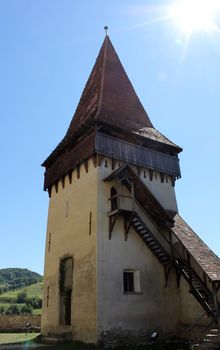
26	309
2	310
22	298
13	310
35	302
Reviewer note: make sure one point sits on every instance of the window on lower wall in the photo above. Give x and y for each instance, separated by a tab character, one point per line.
131	281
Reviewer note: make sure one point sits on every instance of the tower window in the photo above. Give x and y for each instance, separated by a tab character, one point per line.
114	199
49	242
131	281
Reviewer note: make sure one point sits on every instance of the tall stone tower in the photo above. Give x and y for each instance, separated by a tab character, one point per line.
119	258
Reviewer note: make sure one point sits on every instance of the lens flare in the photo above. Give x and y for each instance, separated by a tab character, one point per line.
194	15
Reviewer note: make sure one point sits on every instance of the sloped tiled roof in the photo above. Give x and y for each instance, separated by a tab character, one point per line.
109	98
155	135
204	256
109	95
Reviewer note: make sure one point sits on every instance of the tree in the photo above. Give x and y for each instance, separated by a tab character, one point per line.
22	297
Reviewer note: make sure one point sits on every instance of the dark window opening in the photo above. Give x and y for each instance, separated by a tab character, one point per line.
114	199
128	281
49	242
131	281
67	305
66	280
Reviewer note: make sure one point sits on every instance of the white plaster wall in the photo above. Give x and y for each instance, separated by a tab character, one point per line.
155	304
163	191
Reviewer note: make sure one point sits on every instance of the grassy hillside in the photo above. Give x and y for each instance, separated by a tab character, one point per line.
13	278
34	290
11	291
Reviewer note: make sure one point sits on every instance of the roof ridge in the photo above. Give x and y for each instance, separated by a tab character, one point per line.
102	77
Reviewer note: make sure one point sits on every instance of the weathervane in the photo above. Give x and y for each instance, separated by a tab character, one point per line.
106	30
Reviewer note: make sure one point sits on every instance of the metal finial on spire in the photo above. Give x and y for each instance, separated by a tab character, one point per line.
106	30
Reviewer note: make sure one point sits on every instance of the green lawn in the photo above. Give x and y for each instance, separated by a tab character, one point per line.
37	311
8	304
7	338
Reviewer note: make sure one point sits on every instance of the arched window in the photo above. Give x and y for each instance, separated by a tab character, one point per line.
114	199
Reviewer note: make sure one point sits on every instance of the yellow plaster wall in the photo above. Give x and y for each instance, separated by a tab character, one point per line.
68	225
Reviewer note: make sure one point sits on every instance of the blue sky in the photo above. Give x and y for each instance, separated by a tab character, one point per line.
48	49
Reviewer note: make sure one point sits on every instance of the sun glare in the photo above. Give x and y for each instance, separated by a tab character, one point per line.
194	15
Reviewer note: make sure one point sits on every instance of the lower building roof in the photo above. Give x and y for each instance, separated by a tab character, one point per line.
203	255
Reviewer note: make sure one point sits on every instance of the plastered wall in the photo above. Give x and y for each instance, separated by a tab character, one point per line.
78	227
147	310
156	307
71	230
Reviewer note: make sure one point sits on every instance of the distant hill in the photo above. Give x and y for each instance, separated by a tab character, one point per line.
13	278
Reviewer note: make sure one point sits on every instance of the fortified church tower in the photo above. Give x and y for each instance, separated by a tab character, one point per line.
119	258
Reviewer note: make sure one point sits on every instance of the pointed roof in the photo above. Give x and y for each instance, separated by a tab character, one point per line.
109	98
109	95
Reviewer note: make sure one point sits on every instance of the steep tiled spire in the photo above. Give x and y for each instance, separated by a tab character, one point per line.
109	96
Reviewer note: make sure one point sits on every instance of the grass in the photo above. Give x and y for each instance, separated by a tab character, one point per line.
10	297
34	290
37	311
8	338
8	304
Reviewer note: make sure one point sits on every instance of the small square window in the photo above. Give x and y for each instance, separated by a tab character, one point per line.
131	281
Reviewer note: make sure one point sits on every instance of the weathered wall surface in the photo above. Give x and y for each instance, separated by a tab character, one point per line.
71	235
163	191
18	321
99	304
154	305
190	307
